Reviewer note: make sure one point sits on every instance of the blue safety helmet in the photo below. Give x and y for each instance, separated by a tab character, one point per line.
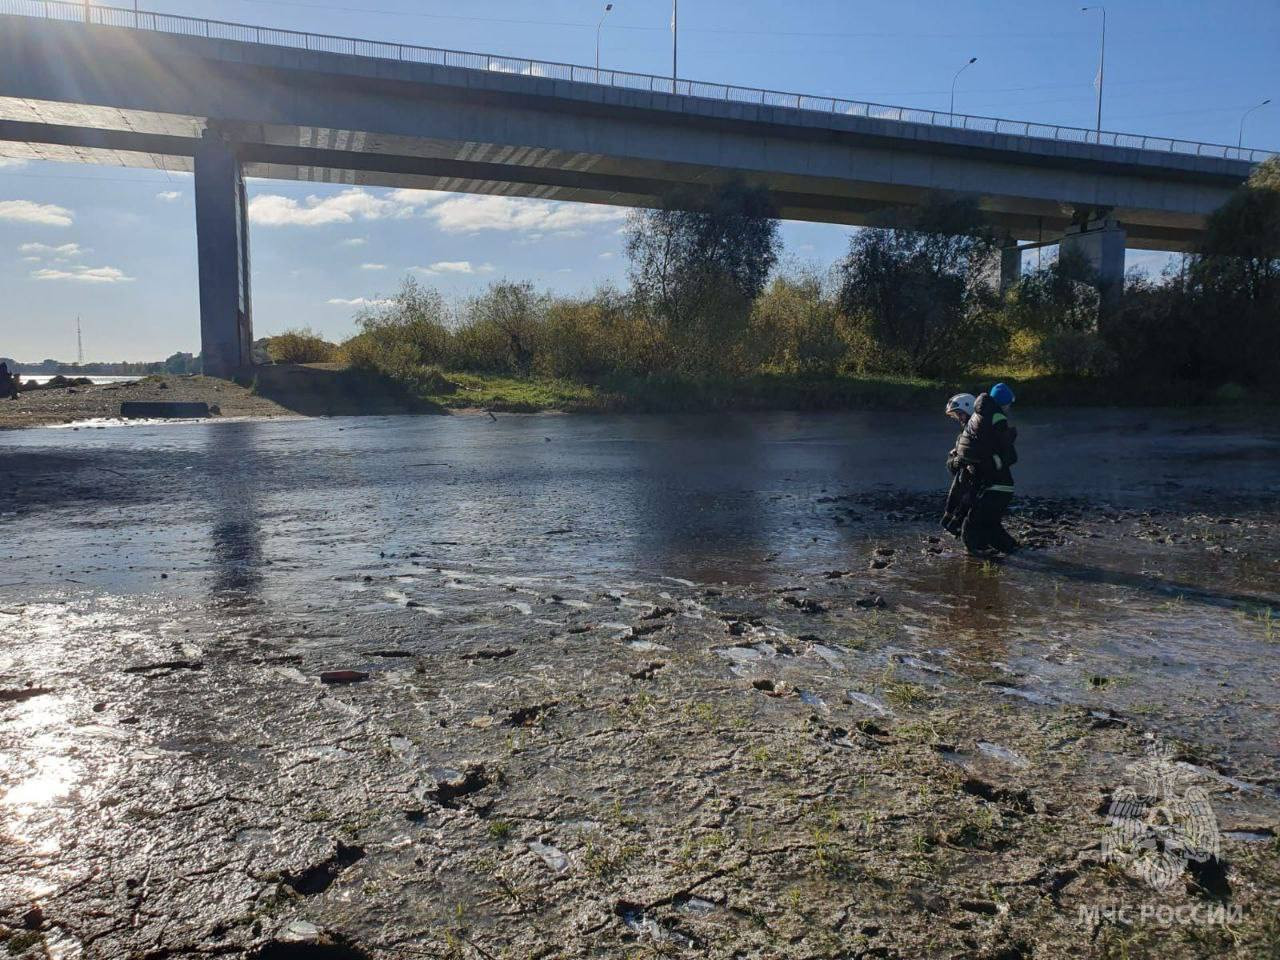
1001	394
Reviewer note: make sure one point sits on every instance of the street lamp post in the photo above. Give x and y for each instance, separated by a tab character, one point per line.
1256	106
675	41
607	8
952	111
1102	62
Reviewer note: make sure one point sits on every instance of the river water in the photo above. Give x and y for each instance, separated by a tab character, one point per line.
699	498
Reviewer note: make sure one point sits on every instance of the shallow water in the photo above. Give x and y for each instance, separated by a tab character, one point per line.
697	498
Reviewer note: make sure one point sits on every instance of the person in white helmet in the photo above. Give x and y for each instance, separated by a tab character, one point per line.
960	496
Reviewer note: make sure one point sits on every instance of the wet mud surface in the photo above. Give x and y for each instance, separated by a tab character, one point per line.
619	687
97	405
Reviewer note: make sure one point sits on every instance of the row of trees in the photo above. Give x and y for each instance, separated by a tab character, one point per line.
913	296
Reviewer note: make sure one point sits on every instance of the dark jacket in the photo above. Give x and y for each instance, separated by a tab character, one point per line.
987	445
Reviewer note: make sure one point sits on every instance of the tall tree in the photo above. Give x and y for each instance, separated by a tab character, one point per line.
918	286
700	260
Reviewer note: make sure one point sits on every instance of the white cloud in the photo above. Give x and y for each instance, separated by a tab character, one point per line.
355	242
84	275
456	266
12	162
607	255
27	211
359	302
451	212
168	196
415	198
273	210
62	250
373	266
460	214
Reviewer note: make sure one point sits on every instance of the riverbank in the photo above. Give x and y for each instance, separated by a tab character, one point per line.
53	406
676	394
332	390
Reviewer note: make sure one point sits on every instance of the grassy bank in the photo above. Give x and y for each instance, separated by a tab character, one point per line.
368	393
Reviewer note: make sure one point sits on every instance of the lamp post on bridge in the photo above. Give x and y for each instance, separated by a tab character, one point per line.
607	8
1102	63
1256	106
952	111
675	41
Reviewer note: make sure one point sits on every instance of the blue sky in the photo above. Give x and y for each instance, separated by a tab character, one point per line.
117	246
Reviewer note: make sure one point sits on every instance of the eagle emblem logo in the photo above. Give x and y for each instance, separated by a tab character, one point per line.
1151	829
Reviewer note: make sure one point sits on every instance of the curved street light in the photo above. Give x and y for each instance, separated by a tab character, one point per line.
1102	62
952	111
1256	106
607	8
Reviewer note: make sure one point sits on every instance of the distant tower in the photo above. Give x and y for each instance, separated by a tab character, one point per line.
79	345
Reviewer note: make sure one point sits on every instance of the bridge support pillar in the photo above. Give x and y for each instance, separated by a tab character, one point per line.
1010	264
1100	243
222	244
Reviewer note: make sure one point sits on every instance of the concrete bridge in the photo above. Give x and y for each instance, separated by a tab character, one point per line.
225	101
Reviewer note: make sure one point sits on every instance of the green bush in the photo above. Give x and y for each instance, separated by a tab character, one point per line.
300	346
795	328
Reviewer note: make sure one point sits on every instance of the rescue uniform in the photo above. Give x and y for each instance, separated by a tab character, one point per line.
960	495
986	449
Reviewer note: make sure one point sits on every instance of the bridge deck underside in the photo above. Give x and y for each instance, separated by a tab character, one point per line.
126	99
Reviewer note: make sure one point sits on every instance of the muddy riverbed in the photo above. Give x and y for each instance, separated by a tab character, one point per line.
614	686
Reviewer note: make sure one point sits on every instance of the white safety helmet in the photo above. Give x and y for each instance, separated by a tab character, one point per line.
961	403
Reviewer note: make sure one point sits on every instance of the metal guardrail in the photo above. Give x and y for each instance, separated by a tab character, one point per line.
410	53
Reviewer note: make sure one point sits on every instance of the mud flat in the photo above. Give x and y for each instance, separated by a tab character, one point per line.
337	739
101	402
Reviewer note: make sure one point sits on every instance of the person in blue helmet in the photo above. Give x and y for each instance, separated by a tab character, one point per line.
986	449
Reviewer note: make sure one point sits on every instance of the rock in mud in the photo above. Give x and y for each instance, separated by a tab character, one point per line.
339	677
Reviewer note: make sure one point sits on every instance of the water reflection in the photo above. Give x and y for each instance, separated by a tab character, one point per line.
693	499
235	533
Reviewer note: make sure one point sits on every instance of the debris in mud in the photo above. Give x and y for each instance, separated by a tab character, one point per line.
657	613
453	785
648	671
490	653
302	940
807	605
868	701
390	654
878	563
529	716
998	752
553	857
318	877
338	677
874	601
1019	800
25	693
773	688
166	666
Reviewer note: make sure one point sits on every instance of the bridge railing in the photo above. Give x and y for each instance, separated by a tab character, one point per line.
411	53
